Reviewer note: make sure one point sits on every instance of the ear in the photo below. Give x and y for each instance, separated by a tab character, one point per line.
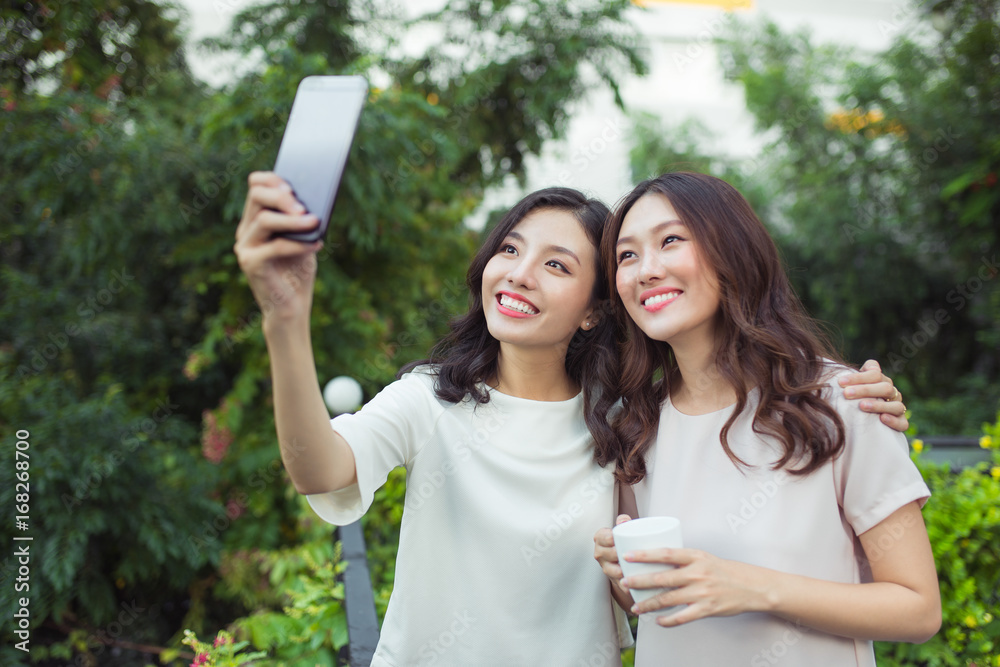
594	315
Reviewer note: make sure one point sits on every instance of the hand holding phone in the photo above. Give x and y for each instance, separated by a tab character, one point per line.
316	143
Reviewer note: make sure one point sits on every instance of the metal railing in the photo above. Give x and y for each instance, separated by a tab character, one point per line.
957	450
359	600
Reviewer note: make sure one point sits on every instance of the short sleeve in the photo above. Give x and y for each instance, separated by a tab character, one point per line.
386	433
874	475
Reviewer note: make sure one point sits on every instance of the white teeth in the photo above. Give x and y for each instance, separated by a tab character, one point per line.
660	298
514	304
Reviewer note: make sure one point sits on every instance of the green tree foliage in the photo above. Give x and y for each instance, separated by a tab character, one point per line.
100	48
131	347
879	183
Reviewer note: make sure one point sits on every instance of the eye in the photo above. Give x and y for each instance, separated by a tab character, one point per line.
670	239
507	249
557	265
626	254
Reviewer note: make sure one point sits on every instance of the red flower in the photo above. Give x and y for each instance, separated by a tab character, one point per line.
215	440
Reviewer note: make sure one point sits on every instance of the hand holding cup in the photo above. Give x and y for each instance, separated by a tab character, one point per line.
656	532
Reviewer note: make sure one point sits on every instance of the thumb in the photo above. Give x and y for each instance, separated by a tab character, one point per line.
622	518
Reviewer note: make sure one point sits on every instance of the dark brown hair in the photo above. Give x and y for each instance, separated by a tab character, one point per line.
765	338
467	356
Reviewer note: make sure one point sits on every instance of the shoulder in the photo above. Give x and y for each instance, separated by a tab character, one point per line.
831	371
830	374
423	380
424	375
857	422
414	389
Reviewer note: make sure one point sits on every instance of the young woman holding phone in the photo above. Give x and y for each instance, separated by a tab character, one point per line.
800	514
496	431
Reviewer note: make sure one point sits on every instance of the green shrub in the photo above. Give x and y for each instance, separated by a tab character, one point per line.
293	602
963	522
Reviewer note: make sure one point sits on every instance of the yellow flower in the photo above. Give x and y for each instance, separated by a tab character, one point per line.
918	445
986	442
970	621
995	472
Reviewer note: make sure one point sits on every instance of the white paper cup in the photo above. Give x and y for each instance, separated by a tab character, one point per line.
654	532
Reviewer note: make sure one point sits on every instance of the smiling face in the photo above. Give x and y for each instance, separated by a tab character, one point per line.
538	288
667	288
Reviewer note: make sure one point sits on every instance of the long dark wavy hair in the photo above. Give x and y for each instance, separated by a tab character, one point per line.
765	339
467	356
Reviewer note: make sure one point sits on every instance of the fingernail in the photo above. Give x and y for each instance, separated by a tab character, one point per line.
842	380
629	555
635	609
299	208
849	392
866	405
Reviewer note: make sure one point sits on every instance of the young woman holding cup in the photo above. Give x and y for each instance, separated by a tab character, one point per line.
801	515
497	431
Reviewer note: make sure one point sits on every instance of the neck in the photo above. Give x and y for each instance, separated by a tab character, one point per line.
702	388
539	375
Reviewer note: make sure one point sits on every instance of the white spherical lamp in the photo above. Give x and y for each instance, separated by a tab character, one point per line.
342	394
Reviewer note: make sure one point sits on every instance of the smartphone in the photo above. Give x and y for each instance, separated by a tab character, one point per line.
316	143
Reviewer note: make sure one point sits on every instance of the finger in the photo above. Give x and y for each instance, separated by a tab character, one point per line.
606	553
869	372
262	181
266	178
605	556
664	600
663	579
895	408
622	518
263	198
612	571
278	198
687	613
604	538
880	389
668	556
277	249
863	377
268	223
901	424
871	365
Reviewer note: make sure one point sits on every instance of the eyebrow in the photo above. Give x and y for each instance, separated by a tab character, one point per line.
555	248
660	227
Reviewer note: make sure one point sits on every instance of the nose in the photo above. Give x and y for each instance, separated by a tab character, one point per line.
651	268
521	274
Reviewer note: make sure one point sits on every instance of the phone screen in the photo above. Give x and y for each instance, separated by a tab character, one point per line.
317	141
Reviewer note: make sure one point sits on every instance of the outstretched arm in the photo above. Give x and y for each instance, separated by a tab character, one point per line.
902	603
281	273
